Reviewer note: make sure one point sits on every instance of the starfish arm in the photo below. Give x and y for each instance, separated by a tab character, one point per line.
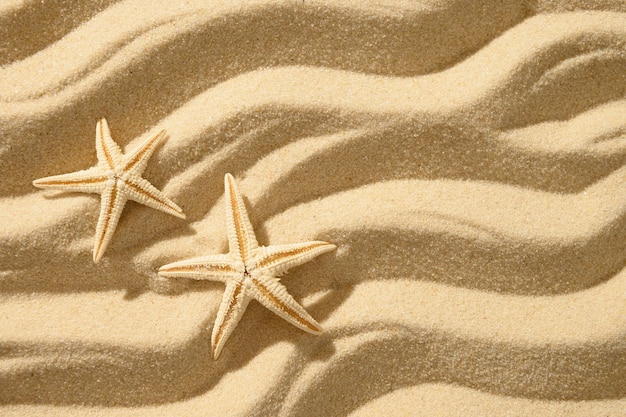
108	152
274	296
211	268
140	190
138	160
90	180
111	206
276	260
241	239
231	309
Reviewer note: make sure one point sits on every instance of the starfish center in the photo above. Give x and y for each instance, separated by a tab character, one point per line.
117	177
246	279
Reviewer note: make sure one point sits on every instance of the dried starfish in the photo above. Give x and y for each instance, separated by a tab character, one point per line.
117	177
249	271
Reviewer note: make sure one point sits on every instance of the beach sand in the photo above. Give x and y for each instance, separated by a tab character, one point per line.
467	158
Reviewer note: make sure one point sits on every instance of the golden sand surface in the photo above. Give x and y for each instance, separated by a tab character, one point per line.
467	158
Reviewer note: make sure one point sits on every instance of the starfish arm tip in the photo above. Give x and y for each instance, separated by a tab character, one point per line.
98	251
161	135
96	257
216	348
174	211
216	354
319	329
326	247
164	272
42	182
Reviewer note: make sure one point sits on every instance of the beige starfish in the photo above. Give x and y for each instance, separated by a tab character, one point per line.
249	271
117	177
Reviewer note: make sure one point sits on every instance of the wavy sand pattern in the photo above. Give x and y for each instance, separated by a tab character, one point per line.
467	158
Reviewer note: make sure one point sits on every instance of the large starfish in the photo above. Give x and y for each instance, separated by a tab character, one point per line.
249	271
117	177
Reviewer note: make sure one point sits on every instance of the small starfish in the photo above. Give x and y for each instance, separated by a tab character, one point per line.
117	177
249	271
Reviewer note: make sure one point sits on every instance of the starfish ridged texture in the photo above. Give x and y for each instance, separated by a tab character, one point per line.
249	271
117	177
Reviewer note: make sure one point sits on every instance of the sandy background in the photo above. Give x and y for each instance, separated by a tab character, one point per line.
468	159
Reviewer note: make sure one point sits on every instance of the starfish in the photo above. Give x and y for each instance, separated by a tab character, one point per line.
249	271
117	177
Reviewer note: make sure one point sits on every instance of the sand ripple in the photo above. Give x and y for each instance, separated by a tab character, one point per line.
468	160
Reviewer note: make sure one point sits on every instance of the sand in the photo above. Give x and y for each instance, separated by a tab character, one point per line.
468	159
